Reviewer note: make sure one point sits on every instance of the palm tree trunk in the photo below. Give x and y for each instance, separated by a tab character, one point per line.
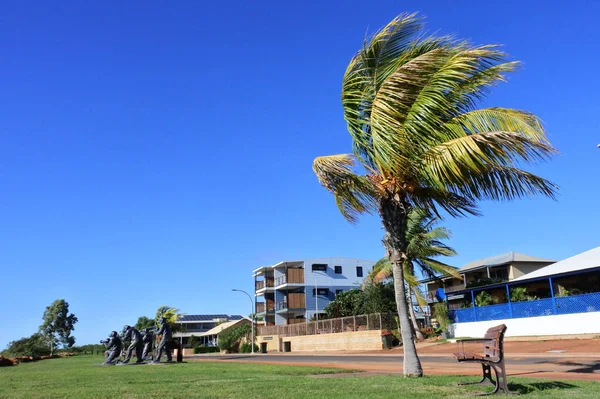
413	318
412	364
394	215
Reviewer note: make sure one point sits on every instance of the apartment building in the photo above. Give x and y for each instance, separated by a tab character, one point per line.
292	292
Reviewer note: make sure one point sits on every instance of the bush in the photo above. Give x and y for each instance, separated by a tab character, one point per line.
229	340
440	312
36	345
193	342
247	348
206	349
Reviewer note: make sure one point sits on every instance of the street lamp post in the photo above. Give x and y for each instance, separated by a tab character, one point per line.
252	312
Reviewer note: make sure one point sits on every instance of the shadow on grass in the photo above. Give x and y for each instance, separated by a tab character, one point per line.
531	387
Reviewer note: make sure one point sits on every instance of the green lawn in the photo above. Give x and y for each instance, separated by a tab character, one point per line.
80	377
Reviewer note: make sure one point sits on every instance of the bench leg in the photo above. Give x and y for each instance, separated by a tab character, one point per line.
501	383
486	378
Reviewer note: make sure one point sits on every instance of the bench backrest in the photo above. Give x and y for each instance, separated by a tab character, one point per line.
494	348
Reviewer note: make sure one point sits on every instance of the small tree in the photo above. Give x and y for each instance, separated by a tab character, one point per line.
347	303
144	322
58	325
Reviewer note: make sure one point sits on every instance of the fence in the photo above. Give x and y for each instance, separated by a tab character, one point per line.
376	321
540	307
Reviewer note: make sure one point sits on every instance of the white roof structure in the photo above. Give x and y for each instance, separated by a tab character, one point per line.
223	326
585	260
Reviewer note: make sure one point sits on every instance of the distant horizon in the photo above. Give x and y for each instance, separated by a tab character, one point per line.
156	155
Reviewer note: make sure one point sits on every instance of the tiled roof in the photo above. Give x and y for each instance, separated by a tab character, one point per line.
503	259
208	317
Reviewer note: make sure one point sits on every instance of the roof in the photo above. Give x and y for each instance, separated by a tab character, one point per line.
223	326
585	260
503	259
207	317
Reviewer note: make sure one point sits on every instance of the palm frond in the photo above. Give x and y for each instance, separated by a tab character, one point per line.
354	194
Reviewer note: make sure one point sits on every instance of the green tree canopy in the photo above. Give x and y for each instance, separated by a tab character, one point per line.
375	298
144	322
58	325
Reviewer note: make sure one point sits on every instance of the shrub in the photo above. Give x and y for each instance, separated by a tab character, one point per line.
205	349
247	348
485	299
193	342
519	294
440	312
36	345
229	340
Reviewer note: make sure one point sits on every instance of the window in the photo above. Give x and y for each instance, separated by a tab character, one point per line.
319	267
359	272
338	292
338	270
321	291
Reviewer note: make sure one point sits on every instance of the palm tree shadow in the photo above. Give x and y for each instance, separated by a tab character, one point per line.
539	386
587	368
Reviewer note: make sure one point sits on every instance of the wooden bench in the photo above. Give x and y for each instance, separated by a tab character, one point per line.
491	358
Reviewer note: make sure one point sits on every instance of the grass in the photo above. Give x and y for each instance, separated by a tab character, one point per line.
80	377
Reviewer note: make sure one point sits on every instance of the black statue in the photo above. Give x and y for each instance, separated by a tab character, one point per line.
113	347
165	341
133	335
148	340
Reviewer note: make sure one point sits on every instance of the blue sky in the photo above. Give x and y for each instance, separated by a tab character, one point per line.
157	152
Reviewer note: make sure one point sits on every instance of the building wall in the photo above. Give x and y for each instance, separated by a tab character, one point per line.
519	269
347	341
272	341
576	323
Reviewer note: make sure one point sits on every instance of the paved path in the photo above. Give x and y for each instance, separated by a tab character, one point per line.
555	366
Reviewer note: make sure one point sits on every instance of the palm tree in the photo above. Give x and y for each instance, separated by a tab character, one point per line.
424	245
172	315
410	103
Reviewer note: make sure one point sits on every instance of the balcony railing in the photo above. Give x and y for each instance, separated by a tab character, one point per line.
260	307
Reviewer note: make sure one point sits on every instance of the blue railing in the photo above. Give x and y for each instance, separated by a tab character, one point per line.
540	307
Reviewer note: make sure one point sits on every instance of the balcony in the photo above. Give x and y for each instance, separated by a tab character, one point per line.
267	282
260	307
292	301
448	290
292	276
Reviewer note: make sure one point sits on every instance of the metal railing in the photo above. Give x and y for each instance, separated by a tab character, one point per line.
369	322
539	307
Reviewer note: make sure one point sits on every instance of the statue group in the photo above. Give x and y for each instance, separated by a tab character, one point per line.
140	342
